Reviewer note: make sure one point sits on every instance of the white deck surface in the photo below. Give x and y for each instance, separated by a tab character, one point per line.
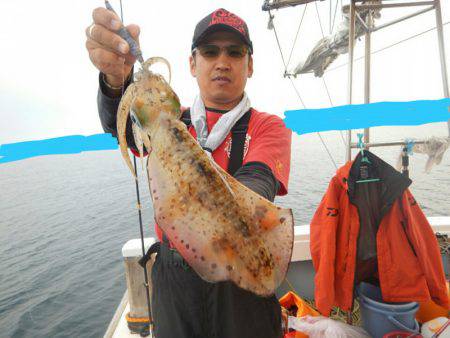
122	330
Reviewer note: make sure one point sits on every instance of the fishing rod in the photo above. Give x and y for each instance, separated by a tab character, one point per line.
141	230
136	51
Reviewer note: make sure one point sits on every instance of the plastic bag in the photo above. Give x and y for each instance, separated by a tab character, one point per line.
291	300
322	327
295	306
434	147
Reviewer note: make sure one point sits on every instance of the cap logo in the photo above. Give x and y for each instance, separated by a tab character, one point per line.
222	16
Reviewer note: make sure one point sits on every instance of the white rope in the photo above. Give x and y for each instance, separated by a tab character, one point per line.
300	98
279	45
334	17
389	46
331	103
318	18
320	136
329	20
296	35
323	79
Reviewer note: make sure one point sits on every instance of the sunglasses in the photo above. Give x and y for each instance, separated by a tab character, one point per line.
213	51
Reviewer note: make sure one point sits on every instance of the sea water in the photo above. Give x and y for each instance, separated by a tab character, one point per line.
64	219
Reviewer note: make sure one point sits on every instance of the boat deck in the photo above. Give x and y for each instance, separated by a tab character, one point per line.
300	273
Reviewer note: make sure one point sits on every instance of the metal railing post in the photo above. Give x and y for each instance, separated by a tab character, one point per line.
440	32
351	43
367	70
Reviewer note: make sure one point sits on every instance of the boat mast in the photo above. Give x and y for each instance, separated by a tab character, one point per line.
354	7
367	47
351	45
277	4
440	33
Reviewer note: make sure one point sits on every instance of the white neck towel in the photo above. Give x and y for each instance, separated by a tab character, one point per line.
210	141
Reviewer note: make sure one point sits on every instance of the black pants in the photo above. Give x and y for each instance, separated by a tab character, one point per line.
185	306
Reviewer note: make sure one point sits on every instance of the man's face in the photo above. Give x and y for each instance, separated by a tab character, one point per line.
221	79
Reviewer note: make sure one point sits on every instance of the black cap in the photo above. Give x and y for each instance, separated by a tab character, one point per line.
222	20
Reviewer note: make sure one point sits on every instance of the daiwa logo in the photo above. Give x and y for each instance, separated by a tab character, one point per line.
332	212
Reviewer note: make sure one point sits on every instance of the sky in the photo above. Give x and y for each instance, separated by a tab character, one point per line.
48	85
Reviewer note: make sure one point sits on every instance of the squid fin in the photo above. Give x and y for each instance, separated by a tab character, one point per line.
274	224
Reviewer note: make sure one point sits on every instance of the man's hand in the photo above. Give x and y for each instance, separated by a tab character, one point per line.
109	53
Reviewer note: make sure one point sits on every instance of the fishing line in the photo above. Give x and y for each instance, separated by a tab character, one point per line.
291	286
141	228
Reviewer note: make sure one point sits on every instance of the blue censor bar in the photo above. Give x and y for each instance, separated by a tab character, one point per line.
301	121
358	116
61	145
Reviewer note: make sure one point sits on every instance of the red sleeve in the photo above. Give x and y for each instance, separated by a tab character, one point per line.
270	144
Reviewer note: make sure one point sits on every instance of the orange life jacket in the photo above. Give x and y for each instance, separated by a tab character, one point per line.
373	230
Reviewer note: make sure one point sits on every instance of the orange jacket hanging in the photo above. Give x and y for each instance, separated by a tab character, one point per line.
379	228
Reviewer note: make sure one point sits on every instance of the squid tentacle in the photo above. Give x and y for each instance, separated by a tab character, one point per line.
158	59
122	115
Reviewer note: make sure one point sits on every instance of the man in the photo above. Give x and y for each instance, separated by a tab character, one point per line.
184	305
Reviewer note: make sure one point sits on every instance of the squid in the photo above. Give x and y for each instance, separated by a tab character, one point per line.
224	230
